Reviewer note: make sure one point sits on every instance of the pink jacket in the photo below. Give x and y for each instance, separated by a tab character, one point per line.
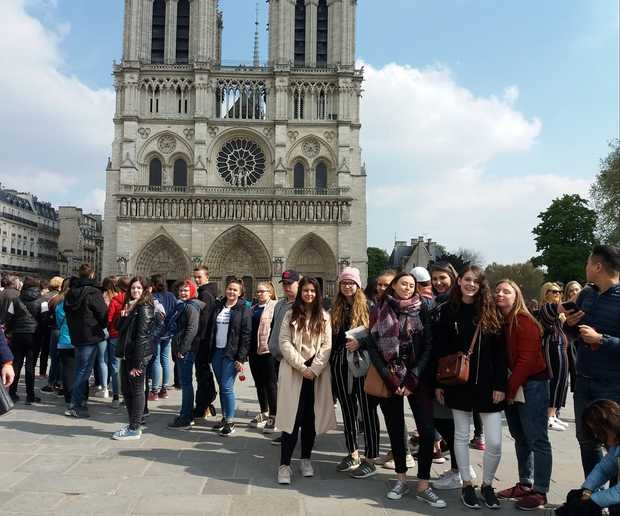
264	328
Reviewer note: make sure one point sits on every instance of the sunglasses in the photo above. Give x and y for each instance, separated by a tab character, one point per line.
554	291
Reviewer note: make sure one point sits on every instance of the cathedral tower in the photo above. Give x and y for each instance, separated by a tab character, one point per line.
249	169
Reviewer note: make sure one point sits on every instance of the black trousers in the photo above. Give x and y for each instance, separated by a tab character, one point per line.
43	341
304	421
263	370
446	428
205	388
478	428
25	349
133	389
67	359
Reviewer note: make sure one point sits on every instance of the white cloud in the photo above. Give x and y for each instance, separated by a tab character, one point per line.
430	176
60	130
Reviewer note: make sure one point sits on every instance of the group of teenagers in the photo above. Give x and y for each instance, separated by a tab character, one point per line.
371	350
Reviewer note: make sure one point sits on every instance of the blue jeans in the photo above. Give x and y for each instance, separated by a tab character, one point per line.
186	371
586	391
527	423
114	364
225	373
84	362
102	363
159	367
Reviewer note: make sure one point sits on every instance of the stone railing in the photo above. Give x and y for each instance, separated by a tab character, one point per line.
236	191
326	211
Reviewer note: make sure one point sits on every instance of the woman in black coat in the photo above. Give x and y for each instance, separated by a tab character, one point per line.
467	319
135	348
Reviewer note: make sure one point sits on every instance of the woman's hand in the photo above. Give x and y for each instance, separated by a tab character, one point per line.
439	395
498	397
238	366
308	374
352	344
406	392
135	372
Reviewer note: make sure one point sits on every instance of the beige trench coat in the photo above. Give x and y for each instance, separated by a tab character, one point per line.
290	378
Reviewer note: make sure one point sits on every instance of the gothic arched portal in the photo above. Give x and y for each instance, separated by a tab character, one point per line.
312	256
240	253
162	255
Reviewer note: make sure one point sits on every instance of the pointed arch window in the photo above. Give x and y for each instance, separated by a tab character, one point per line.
300	33
180	173
299	176
155	174
321	176
183	31
158	31
322	33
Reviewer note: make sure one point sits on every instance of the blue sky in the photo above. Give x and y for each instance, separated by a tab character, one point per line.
551	67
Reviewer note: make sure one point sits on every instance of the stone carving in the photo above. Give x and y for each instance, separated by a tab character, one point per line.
329	135
268	131
293	135
213	131
167	143
189	133
144	132
311	148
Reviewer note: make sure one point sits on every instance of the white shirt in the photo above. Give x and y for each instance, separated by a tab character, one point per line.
221	328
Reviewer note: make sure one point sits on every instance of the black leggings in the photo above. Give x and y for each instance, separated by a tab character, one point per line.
25	349
303	420
264	373
446	428
133	389
67	359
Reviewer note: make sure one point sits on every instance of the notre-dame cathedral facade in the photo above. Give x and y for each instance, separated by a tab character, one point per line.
249	169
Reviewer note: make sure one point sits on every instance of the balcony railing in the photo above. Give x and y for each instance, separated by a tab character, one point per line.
235	191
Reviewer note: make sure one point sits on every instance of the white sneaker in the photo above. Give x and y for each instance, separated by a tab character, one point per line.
449	480
284	475
259	421
102	392
560	422
390	464
554	425
306	468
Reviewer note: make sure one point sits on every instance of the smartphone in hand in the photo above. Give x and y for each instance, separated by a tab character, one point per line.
570	305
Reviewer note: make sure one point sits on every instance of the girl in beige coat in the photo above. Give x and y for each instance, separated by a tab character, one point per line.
304	384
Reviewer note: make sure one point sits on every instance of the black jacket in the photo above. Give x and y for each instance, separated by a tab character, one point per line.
7	296
239	336
26	312
86	312
135	336
192	327
453	332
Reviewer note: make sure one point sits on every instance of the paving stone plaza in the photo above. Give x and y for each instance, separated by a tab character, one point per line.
51	464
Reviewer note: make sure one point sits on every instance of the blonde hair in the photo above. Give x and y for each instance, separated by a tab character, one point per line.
567	288
546	288
269	286
359	310
519	307
56	283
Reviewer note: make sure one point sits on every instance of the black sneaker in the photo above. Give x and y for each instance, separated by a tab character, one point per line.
228	429
348	464
219	425
31	400
47	389
469	497
180	423
488	495
77	413
365	470
277	441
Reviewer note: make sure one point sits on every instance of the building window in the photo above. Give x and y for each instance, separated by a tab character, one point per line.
321	176
321	35
300	33
155	173
180	173
183	31
159	31
153	99
299	176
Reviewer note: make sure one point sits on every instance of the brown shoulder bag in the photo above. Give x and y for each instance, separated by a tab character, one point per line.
454	369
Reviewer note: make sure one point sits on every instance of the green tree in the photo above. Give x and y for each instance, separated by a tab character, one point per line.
564	238
605	192
461	258
526	275
377	261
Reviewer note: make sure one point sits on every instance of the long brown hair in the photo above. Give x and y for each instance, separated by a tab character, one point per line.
518	308
146	297
359	310
484	306
312	318
601	418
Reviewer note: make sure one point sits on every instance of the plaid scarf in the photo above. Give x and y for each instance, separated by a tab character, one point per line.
393	322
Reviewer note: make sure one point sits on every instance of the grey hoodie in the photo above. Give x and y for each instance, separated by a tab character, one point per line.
283	306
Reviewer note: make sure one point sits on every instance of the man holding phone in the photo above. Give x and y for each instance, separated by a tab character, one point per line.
595	324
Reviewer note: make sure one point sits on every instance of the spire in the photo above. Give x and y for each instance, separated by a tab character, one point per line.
256	41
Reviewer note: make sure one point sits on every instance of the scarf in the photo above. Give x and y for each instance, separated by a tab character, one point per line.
393	323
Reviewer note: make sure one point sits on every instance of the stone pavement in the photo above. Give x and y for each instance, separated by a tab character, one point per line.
50	464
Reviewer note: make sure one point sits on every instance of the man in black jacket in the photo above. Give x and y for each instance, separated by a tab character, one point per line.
86	313
11	285
205	391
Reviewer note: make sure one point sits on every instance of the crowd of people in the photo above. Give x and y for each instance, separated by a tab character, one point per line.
456	348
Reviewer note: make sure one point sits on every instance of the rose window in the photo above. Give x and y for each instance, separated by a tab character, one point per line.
241	162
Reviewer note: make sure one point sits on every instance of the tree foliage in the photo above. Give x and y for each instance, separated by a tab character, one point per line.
461	258
606	195
564	238
377	261
526	275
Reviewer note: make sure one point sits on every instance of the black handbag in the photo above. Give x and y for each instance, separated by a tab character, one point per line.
6	403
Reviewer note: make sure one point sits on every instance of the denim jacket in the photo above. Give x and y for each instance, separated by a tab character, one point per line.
604	471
